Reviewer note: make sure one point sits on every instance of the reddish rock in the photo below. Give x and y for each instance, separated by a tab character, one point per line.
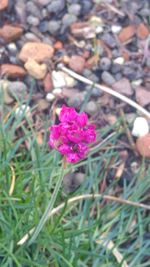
142	31
123	86
125	55
10	33
77	63
37	51
126	33
143	145
142	96
58	45
48	84
3	4
12	71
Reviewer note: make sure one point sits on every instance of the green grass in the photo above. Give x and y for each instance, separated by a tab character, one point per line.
69	237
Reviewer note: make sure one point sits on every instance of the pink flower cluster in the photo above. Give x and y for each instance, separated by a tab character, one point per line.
72	135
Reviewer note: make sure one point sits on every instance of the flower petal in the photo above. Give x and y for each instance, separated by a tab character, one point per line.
67	114
82	119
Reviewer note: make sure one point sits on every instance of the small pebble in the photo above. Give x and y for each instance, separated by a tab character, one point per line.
99	29
44	2
57	91
33	9
109	40
116	68
105	63
137	82
17	89
31	37
34	21
58	79
119	60
107	78
140	127
95	92
116	28
56	6
91	107
68	19
53	26
44	13
86	6
50	97
43	26
12	48
74	9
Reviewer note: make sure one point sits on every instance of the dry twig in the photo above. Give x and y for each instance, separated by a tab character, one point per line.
106	90
83	197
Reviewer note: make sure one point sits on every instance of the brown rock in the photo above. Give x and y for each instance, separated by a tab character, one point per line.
142	31
143	145
3	4
123	86
142	96
42	104
126	33
38	71
77	63
83	29
37	51
10	33
12	71
48	83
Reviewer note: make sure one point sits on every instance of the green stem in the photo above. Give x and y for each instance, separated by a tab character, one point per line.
48	209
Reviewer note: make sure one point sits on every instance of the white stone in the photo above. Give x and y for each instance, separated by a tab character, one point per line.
137	82
57	91
22	110
70	82
119	60
12	47
99	29
140	127
50	97
58	79
61	79
116	28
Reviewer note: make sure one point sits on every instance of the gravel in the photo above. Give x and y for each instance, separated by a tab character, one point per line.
12	48
33	9
43	27
74	9
53	26
56	6
86	6
105	63
34	21
107	78
115	68
68	19
109	40
91	107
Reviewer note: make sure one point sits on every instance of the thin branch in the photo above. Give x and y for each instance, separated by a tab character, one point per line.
105	89
83	197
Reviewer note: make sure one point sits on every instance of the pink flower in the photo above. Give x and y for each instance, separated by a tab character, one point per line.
72	135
